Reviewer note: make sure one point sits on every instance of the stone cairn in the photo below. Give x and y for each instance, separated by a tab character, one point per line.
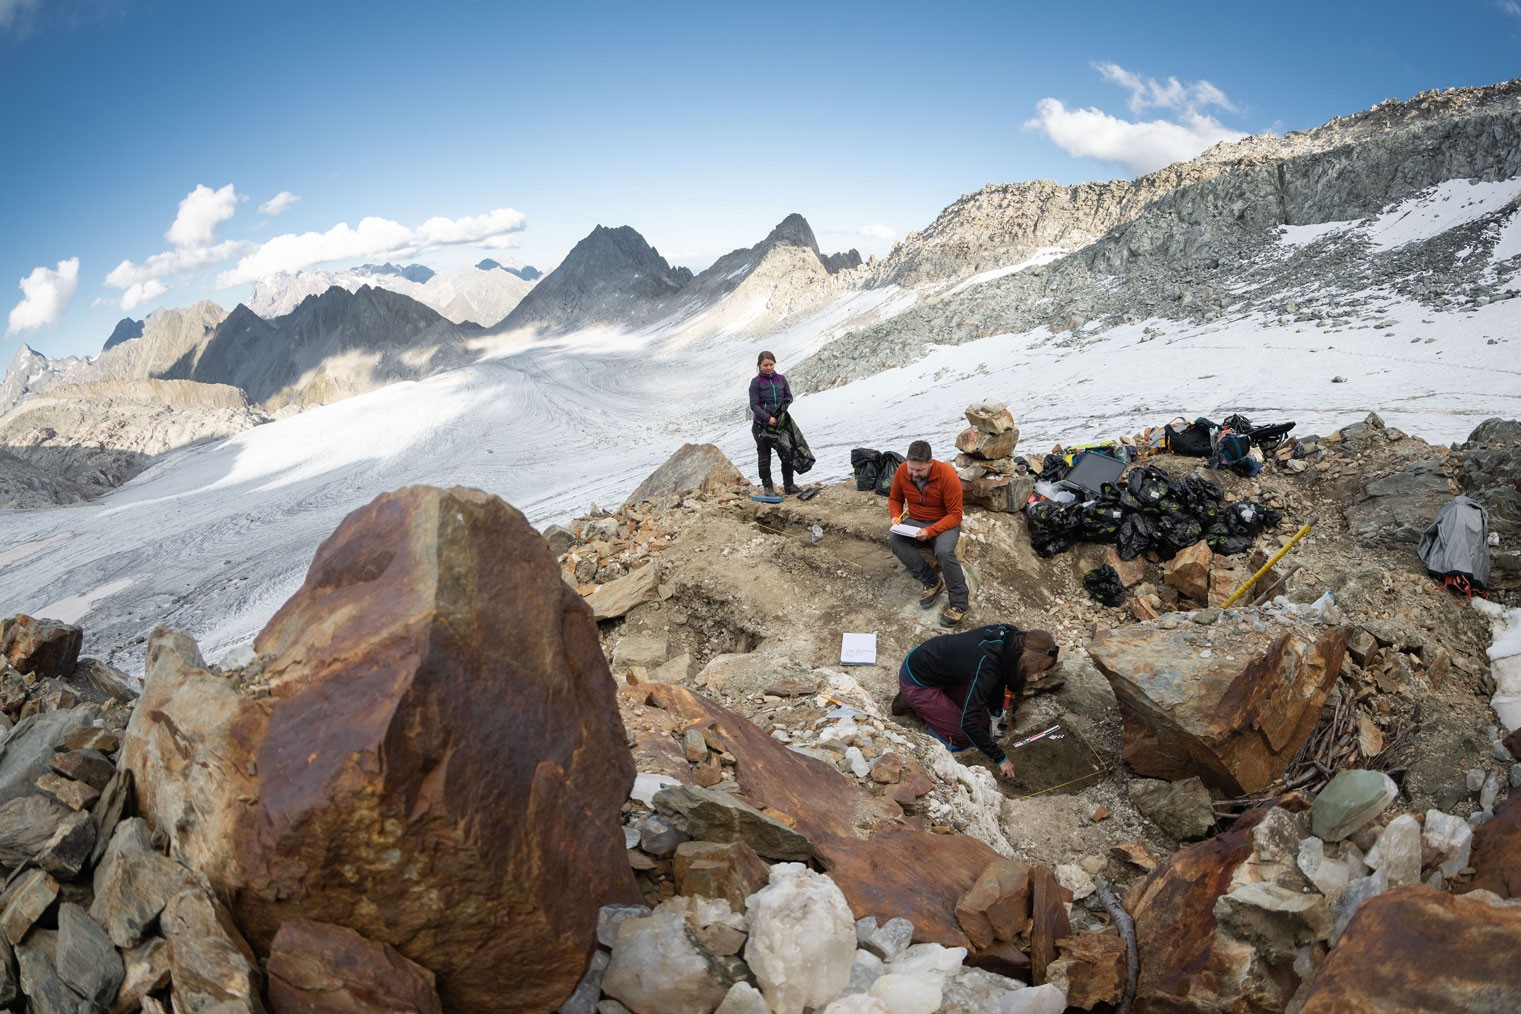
986	462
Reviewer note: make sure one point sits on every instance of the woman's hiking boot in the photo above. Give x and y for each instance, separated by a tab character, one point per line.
791	489
952	615
931	592
899	705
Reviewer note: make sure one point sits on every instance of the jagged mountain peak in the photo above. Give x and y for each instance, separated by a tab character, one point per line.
793	230
611	275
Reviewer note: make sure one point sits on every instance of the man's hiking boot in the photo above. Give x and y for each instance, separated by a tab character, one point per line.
931	592
899	705
791	489
770	489
952	615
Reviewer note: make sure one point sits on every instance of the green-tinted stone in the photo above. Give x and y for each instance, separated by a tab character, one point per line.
1349	801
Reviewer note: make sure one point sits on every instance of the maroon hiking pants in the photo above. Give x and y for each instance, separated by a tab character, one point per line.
940	707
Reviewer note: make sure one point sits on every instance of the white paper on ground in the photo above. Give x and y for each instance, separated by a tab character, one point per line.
858	649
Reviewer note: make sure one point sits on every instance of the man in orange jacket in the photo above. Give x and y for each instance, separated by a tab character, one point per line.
926	495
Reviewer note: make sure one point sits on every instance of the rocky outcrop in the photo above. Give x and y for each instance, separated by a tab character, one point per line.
1415	948
1227	705
700	468
126	329
421	754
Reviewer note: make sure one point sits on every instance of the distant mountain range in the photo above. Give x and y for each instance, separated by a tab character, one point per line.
1193	241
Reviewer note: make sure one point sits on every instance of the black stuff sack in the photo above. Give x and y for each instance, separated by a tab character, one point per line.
1195	439
866	464
888	469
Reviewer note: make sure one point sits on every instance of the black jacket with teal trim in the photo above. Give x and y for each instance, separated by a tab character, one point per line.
974	658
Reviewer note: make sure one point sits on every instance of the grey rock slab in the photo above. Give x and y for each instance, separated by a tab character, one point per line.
68	851
132	883
108	810
91	767
9	987
26	825
28	750
24	901
210	963
1183	809
584	999
145	970
707	815
86	958
40	981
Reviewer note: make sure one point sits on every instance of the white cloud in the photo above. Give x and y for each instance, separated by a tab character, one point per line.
202	210
375	237
1510	7
173	262
882	232
141	292
45	294
447	232
1140	146
283	201
1146	93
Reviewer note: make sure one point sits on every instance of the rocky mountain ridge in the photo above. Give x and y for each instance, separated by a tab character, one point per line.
1188	241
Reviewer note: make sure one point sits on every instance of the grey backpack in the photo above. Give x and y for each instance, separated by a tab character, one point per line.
1456	546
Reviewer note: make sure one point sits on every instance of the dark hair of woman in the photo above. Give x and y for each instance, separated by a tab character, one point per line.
763	357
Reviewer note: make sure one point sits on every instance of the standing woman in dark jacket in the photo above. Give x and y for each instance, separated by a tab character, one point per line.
769	398
956	683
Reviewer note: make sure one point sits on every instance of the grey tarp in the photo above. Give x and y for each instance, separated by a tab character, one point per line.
1458	542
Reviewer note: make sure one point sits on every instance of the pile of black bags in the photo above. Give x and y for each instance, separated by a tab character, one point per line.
1149	509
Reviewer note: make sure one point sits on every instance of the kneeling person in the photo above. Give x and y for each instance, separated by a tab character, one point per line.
926	494
956	683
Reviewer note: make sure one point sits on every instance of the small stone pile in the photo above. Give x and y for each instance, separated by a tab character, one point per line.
986	462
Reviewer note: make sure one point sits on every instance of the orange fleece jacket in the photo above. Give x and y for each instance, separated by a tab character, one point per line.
940	502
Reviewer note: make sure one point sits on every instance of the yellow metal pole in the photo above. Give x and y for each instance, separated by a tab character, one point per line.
1305	530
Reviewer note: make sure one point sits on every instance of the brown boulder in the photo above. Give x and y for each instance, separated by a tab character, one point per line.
1188	572
991	417
316	968
48	648
1048	920
998	492
1230	706
980	444
1414	948
430	754
997	906
728	870
699	468
1091	970
1186	962
1496	856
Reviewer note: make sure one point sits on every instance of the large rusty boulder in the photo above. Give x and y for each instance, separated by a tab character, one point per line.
1231	706
1188	961
1496	857
1414	948
426	751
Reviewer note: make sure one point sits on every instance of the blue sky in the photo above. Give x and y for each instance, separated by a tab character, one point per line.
147	143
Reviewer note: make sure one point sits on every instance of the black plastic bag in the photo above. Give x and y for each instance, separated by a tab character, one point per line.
866	464
1104	585
1174	532
1134	536
889	468
1149	485
1054	468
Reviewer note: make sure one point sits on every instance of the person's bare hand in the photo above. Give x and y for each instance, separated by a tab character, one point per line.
923	535
1006	769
